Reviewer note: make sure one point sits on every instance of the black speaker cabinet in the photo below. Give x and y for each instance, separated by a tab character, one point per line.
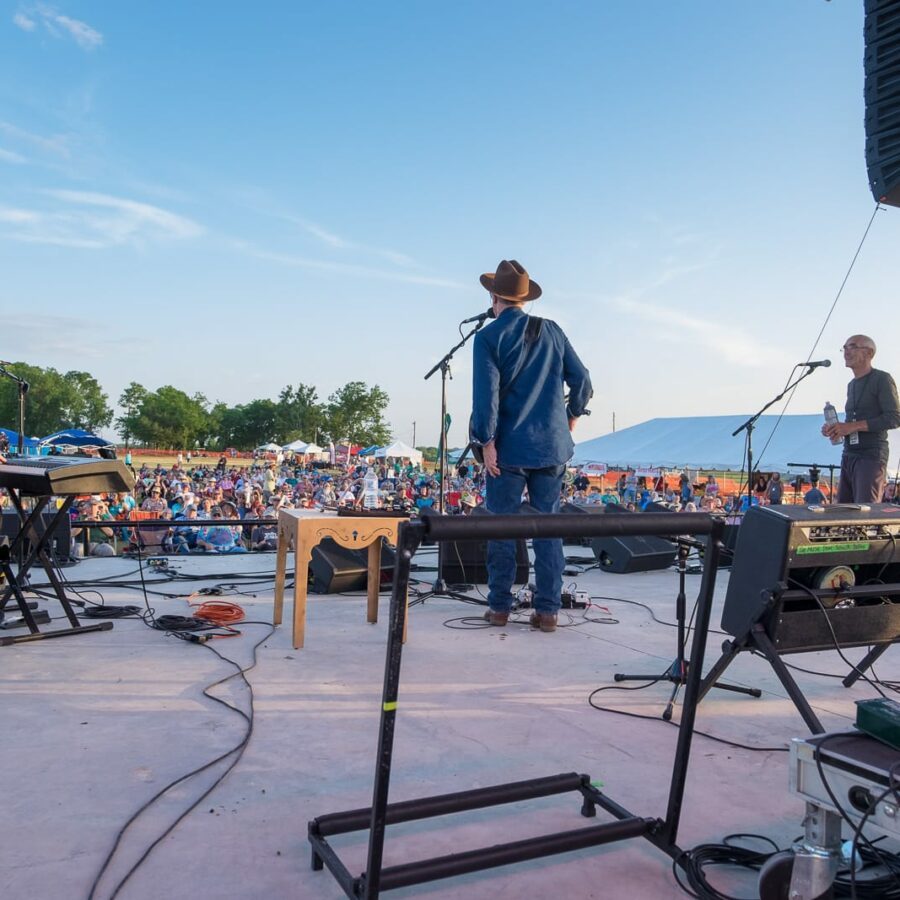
59	543
813	579
335	569
624	555
576	509
882	95
465	562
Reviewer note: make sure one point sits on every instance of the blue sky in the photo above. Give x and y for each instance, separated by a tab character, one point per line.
232	199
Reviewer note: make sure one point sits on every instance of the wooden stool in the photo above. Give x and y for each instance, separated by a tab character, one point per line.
305	531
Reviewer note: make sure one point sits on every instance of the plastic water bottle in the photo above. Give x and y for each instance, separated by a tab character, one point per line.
370	489
831	418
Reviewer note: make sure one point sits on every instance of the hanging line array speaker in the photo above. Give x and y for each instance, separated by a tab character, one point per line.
882	96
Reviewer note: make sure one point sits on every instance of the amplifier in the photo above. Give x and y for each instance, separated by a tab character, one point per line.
60	542
791	561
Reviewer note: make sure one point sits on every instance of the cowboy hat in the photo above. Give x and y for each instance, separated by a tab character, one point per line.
511	282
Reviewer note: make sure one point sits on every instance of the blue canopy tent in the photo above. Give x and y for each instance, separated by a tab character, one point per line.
31	443
72	437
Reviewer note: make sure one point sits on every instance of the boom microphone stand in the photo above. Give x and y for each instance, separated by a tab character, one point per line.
677	673
23	386
443	365
750	424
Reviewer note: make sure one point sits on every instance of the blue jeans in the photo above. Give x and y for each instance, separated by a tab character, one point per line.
504	497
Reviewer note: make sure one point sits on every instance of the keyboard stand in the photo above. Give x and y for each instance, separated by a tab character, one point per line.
17	580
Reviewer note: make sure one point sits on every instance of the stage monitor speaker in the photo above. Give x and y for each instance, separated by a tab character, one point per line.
813	579
577	509
335	569
465	562
624	555
60	543
882	96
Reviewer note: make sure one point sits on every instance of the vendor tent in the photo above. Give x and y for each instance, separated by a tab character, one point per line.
268	448
399	450
74	437
706	442
313	449
12	436
297	446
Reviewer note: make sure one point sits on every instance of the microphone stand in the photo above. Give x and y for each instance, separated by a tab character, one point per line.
443	366
23	390
22	386
750	424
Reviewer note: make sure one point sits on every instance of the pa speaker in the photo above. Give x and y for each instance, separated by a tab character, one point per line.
465	562
624	555
882	95
334	569
60	542
576	509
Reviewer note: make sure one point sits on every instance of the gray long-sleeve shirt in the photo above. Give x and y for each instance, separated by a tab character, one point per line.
873	398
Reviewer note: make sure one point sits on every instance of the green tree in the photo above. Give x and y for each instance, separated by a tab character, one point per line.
54	401
249	425
130	401
168	417
429	454
300	414
356	411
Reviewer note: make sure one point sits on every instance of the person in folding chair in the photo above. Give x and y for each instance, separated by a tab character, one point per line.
522	423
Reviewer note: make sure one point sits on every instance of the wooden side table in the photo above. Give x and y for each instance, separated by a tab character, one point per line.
304	531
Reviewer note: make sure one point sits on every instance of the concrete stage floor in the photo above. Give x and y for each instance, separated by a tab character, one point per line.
95	724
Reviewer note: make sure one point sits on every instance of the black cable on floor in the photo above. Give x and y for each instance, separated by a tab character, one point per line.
236	751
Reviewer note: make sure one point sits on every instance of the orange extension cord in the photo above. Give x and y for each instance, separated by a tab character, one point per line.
218	612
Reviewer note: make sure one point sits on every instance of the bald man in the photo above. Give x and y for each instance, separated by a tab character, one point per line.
872	409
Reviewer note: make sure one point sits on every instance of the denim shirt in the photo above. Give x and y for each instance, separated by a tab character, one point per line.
531	425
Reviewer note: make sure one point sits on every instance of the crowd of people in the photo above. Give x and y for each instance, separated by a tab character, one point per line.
231	509
224	508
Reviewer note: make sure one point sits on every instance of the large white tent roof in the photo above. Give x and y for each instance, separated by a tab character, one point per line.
705	442
399	450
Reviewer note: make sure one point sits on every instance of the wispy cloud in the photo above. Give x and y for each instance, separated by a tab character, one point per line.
28	17
34	336
330	239
24	22
728	343
57	144
303	262
88	220
10	157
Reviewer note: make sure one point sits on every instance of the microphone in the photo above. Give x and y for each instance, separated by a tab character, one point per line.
825	363
479	318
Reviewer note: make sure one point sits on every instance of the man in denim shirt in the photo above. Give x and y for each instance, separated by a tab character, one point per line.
525	433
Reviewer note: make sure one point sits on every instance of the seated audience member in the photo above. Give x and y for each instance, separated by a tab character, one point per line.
152	538
424	500
218	538
185	535
100	537
264	537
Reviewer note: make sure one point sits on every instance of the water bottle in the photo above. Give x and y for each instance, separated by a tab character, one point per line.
831	418
370	489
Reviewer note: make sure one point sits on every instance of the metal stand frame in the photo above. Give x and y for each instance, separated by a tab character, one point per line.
677	672
757	639
16	581
662	832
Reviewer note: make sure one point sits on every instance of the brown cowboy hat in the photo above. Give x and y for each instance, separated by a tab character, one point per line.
511	282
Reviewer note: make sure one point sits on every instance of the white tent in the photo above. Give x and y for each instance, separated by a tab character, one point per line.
297	446
399	450
312	449
705	442
269	448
